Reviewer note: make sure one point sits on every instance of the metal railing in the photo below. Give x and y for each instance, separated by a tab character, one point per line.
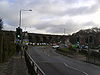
33	68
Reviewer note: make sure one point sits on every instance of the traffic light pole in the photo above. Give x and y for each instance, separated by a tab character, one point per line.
88	50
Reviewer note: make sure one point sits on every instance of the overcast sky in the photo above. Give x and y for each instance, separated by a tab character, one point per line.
51	16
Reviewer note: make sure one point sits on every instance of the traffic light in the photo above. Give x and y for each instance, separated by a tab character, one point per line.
91	39
19	33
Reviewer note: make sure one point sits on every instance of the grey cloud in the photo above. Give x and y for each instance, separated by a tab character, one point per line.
60	28
69	26
82	10
10	12
71	1
64	1
90	23
42	26
57	8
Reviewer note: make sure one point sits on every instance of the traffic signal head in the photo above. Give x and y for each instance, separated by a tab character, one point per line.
18	36
91	39
19	33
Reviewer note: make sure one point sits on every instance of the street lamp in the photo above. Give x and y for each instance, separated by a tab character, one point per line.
19	31
21	16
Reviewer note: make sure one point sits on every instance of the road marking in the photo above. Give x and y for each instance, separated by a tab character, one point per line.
75	69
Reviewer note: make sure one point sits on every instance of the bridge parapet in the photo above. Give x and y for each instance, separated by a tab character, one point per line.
33	68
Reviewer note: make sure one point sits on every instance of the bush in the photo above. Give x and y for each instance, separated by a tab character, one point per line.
84	52
63	49
95	54
72	49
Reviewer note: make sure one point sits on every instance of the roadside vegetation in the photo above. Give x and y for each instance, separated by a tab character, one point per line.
7	47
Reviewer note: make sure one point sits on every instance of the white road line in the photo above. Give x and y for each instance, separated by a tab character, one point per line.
75	69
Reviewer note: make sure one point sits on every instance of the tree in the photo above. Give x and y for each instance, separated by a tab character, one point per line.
1	24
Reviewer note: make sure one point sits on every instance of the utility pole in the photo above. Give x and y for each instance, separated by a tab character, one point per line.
64	36
88	49
1	50
89	46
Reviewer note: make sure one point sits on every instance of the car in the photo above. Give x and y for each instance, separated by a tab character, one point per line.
97	51
55	46
98	47
84	47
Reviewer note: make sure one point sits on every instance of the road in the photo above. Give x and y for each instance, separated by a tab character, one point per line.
53	63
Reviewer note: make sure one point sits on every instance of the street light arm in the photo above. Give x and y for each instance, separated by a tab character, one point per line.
21	16
25	10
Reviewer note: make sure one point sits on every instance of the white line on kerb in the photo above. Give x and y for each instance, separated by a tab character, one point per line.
75	69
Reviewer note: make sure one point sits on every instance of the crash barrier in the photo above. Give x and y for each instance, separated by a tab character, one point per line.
33	68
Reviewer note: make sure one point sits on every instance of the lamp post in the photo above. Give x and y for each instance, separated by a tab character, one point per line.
20	16
19	32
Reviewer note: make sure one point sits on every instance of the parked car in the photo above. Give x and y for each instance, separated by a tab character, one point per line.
96	51
84	47
55	46
98	47
63	46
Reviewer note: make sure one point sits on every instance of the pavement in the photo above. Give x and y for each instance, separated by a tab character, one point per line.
15	66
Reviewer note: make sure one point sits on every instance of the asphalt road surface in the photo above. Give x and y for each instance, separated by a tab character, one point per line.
53	63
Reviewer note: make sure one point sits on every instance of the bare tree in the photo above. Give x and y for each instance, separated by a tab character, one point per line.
1	24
